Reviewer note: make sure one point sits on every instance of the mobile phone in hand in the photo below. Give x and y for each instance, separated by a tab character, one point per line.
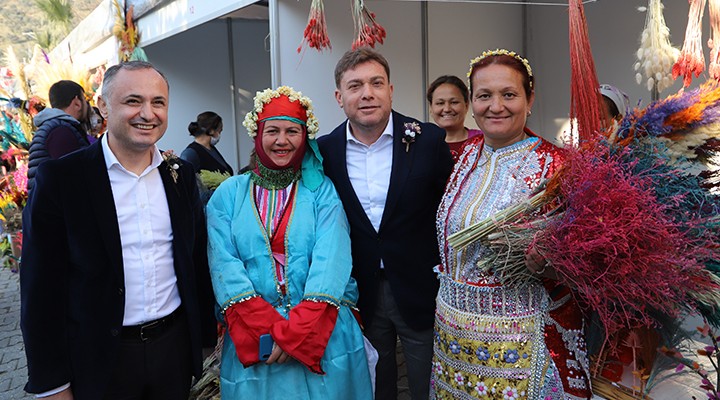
266	346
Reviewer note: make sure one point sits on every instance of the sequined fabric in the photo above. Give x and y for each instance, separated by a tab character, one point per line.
492	340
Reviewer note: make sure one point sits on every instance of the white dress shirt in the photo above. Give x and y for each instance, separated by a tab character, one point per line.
369	169
146	237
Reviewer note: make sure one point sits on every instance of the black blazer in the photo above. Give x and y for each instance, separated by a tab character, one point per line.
407	239
71	282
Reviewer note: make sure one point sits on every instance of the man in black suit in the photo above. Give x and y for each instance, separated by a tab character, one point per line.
390	172
116	299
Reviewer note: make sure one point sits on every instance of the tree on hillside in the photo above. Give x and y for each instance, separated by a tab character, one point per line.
59	16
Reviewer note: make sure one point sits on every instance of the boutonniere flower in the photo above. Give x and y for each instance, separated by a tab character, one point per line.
173	163
411	129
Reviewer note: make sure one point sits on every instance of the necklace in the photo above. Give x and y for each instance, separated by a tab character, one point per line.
274	178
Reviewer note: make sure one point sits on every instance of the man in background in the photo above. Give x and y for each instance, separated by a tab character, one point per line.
59	128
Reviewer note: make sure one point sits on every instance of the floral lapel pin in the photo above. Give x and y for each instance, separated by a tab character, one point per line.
411	129
173	163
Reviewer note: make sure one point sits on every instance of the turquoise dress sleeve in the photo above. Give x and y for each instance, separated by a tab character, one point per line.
230	279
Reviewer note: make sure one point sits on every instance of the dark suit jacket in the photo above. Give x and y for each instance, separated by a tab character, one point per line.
71	282
406	240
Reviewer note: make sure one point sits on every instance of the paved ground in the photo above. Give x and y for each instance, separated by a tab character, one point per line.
13	370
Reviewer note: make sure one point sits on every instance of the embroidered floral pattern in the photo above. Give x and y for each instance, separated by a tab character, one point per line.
481	389
510	393
455	347
511	356
437	367
459	379
482	354
410	131
173	163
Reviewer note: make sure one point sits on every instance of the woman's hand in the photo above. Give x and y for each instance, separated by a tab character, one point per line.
277	355
538	265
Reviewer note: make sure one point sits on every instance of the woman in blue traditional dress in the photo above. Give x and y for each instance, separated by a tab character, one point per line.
279	252
492	340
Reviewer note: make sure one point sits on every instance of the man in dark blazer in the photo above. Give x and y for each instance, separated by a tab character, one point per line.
390	172
116	299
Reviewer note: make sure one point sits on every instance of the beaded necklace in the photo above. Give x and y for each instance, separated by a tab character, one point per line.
274	179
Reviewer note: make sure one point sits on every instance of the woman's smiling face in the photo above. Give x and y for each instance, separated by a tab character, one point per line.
281	139
500	105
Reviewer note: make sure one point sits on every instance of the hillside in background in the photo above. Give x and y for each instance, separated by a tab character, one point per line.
19	18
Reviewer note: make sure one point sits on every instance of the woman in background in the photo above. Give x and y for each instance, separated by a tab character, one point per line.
448	98
202	153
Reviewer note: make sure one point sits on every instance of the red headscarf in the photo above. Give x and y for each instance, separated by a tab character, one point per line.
284	109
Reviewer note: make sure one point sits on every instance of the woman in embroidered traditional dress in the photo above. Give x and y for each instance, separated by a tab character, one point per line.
279	252
448	98
492	340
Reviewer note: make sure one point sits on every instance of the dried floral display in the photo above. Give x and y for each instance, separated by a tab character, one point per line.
585	100
367	30
127	34
714	41
692	59
315	34
710	351
656	55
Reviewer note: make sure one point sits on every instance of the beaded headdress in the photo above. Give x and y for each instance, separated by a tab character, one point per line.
499	52
282	101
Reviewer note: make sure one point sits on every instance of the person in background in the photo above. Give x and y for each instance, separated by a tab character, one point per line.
96	123
116	301
59	128
390	171
495	340
448	99
202	153
616	105
279	252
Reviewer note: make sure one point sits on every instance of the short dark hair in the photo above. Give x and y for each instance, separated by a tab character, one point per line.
450	80
612	107
353	58
206	122
62	93
508	61
112	72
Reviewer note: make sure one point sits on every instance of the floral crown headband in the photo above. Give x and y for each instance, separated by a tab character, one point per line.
266	96
499	52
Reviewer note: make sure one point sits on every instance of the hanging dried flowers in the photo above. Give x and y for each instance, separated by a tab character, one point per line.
691	58
315	34
367	30
127	35
714	41
656	54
